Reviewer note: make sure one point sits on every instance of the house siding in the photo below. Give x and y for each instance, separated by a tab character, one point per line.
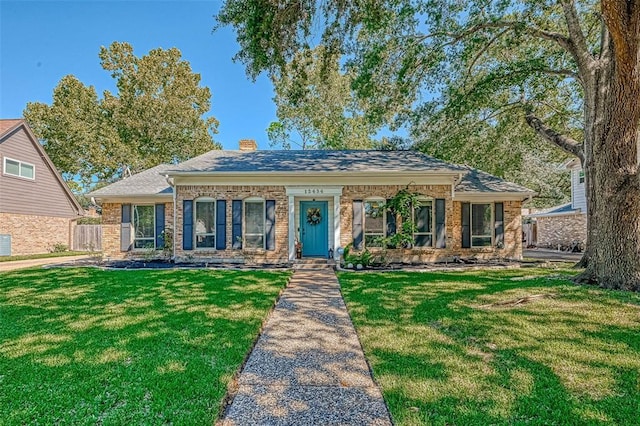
31	234
43	195
578	198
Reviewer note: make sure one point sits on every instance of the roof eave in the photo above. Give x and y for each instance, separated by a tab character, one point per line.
200	173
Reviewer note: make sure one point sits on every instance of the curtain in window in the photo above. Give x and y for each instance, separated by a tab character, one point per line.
254	216
481	226
205	224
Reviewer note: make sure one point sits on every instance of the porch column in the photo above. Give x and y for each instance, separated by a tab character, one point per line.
336	226
292	228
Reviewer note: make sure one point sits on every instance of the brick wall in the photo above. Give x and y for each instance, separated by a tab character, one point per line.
111	221
453	226
512	225
35	234
229	193
562	230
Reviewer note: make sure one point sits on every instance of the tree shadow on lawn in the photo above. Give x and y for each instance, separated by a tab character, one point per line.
445	349
85	345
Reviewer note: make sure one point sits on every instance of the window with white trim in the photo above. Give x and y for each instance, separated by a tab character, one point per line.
481	225
374	222
205	223
144	229
423	221
581	176
19	168
254	223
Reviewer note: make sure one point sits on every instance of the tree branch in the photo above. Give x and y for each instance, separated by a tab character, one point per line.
580	50
566	143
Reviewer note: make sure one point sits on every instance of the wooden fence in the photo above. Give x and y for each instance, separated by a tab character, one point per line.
87	238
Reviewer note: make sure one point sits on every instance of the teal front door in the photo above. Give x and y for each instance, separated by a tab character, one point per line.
314	228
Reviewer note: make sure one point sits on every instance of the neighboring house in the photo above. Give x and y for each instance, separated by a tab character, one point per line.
36	207
260	206
565	225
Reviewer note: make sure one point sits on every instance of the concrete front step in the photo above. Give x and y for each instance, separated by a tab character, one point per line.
313	263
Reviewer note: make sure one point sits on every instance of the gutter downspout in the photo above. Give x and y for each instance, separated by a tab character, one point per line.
171	183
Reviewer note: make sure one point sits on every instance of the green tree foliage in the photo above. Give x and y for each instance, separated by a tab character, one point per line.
568	67
315	105
155	116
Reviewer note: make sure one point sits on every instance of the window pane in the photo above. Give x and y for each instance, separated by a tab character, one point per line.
205	241
374	217
372	240
254	218
423	240
12	167
143	243
254	241
423	217
205	217
26	170
481	241
481	219
143	218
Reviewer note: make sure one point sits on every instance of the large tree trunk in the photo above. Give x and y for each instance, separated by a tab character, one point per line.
611	160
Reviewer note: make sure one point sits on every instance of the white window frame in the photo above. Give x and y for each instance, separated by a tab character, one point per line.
20	164
492	221
197	234
433	220
364	220
133	226
581	176
245	234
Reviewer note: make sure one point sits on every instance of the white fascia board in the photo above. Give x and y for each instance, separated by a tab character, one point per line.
305	178
129	198
492	196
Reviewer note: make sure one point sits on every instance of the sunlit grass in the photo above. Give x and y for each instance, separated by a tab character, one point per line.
85	346
499	347
44	255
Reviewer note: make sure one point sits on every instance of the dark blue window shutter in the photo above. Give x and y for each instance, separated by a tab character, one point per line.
441	232
221	225
187	224
357	224
236	228
125	228
270	224
499	223
159	226
466	225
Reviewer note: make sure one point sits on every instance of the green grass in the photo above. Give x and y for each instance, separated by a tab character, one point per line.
86	346
44	255
446	348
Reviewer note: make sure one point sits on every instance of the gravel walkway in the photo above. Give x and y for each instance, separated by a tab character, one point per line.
308	367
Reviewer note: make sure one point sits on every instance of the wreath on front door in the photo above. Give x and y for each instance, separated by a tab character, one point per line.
313	216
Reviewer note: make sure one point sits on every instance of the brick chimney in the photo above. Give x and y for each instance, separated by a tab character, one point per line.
248	145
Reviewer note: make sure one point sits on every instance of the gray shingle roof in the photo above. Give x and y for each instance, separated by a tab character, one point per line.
563	209
314	161
475	180
153	182
148	182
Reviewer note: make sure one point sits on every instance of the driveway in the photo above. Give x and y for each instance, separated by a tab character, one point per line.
20	264
551	255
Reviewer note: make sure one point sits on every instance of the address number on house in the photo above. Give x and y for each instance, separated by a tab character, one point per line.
313	191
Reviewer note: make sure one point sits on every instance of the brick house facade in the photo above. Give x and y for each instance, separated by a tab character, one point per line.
260	207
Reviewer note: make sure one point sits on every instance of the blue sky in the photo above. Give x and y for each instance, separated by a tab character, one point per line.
42	41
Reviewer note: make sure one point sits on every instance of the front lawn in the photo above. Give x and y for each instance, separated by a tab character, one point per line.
498	347
45	255
86	346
